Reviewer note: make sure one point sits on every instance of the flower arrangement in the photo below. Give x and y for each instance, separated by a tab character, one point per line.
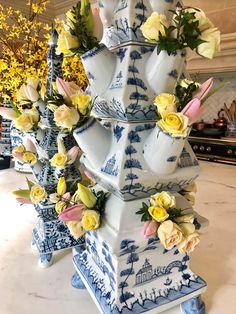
189	28
180	110
23	40
71	107
80	208
82	30
170	224
25	156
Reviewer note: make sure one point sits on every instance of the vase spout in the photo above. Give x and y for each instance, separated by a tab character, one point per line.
163	70
99	64
95	141
162	152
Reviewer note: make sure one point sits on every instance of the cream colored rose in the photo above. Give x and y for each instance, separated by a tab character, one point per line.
169	234
158	213
192	187
90	220
211	47
66	41
187	228
189	243
66	117
81	102
163	199
188	218
59	160
176	124
24	122
200	16
19	149
29	158
154	24
165	103
76	229
37	194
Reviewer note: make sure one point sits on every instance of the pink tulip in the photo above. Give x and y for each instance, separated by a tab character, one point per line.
204	89
192	110
73	213
23	200
98	27
30	147
150	229
31	93
72	154
18	156
67	89
8	113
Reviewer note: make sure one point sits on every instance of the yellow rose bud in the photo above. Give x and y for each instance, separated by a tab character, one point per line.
37	194
90	220
81	102
188	218
176	124
163	199
169	234
59	160
187	228
158	213
185	83
66	117
29	158
189	243
165	103
60	206
86	196
153	26
61	186
76	229
19	149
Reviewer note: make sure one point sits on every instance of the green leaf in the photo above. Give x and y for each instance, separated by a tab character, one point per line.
29	183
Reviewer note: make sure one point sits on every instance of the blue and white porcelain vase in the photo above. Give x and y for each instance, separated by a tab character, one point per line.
50	234
5	141
130	157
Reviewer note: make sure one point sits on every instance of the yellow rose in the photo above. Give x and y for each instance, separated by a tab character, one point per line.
81	101
29	158
163	199
66	41
154	24
169	234
66	117
211	47
24	122
158	213
192	187
189	243
60	206
59	160
176	124
61	186
200	16
37	194
19	149
76	229
90	220
165	103
27	119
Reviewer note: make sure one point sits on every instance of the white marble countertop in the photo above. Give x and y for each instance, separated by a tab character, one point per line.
25	288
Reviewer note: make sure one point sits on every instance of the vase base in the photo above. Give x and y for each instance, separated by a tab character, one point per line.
45	260
169	304
76	282
193	306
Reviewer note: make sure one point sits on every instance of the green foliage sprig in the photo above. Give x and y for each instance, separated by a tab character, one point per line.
184	33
